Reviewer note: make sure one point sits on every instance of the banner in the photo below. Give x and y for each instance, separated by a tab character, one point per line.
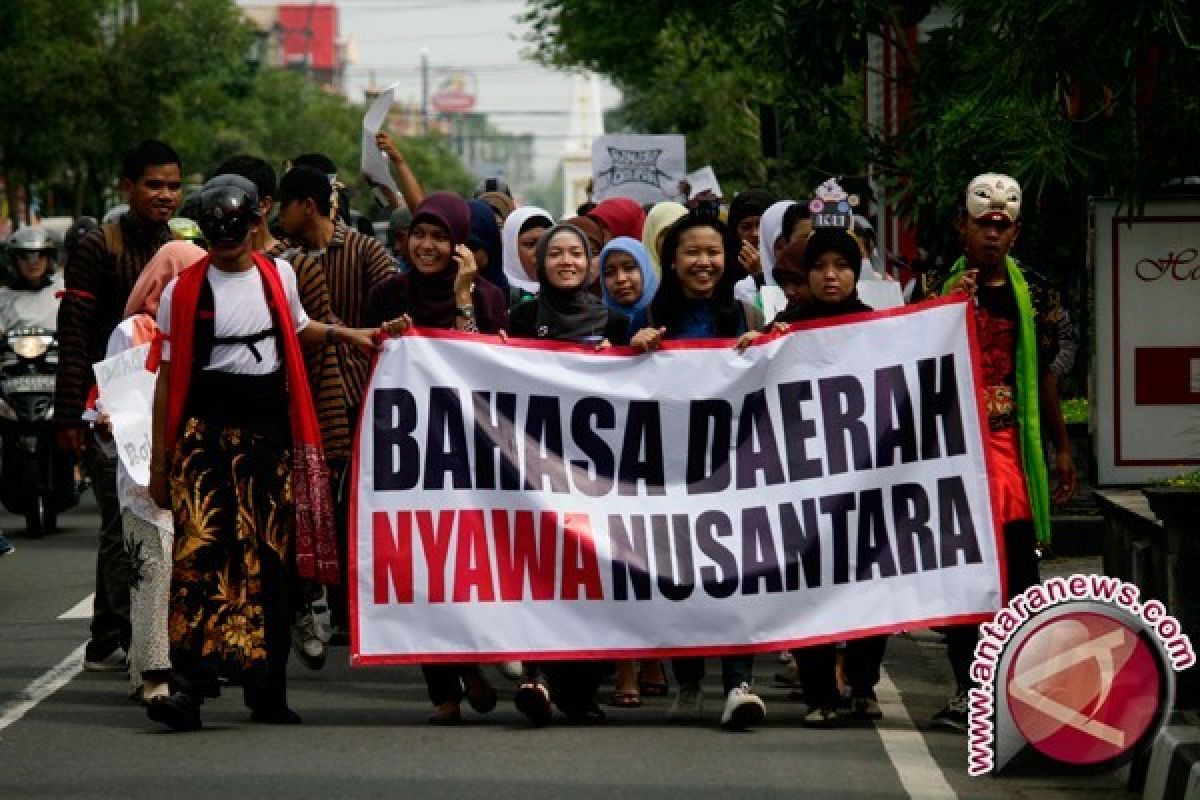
645	168
126	390
545	501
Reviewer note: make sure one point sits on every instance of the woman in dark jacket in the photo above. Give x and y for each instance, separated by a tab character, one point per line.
833	261
564	309
444	290
695	301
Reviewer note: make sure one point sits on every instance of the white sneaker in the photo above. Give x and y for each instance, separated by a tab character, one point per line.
116	661
820	717
511	670
743	709
306	641
689	701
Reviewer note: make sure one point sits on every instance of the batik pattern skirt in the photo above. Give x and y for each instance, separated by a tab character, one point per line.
232	561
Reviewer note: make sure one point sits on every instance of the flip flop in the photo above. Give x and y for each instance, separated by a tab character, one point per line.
626	699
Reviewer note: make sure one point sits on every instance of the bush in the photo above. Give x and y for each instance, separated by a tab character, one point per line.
1075	410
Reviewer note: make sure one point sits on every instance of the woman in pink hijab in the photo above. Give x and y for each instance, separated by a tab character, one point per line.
149	530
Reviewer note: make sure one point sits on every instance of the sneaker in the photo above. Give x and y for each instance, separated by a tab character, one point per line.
743	709
820	717
689	701
306	641
533	700
116	660
954	716
866	707
177	711
6	547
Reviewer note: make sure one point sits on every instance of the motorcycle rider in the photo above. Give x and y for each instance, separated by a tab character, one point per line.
28	299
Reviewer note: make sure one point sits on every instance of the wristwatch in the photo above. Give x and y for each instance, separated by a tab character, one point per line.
466	312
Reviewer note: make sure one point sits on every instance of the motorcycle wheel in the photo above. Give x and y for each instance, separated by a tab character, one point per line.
34	526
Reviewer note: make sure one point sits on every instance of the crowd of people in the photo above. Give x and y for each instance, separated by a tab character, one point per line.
260	318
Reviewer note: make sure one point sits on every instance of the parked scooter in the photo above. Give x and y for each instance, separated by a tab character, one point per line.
36	479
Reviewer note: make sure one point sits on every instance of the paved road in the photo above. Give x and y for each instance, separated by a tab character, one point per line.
365	736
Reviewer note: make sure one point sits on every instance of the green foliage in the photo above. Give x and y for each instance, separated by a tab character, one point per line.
1188	480
78	92
1075	410
1072	97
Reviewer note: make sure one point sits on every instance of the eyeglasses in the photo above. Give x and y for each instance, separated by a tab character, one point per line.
30	256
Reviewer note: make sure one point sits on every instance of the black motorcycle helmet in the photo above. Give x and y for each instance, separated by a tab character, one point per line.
79	229
228	209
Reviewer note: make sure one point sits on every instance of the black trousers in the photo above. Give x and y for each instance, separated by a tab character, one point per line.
445	681
818	669
573	684
110	626
1021	562
735	670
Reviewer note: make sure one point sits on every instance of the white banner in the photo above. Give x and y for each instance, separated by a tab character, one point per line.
126	392
537	501
645	168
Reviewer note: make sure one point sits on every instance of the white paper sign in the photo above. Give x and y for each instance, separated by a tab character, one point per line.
126	391
703	180
645	168
880	294
374	162
536	500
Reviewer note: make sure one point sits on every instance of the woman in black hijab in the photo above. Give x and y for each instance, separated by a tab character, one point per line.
563	309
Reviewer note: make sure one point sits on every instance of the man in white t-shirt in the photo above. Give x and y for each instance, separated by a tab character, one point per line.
236	443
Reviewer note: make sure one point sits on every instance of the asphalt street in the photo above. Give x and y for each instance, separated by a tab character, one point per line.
71	734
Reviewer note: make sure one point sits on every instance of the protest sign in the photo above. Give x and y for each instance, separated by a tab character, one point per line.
374	163
537	501
703	180
126	390
645	168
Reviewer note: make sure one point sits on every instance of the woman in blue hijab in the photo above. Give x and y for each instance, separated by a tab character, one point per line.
485	244
628	282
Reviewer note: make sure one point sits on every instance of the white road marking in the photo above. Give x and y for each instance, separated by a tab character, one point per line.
45	685
905	746
81	610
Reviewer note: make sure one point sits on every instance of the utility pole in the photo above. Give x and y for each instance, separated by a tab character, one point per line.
425	91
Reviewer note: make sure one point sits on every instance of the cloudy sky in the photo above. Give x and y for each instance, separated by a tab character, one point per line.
481	37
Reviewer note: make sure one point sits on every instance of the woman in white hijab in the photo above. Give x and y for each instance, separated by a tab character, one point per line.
520	235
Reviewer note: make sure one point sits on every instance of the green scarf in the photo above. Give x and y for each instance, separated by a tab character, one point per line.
1029	423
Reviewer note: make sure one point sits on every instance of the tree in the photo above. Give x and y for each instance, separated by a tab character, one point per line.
79	89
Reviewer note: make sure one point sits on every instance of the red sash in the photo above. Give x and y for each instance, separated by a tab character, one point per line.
316	544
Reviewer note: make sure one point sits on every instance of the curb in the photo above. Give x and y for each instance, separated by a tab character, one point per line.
1174	769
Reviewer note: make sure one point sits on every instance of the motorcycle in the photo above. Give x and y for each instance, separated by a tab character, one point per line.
36	480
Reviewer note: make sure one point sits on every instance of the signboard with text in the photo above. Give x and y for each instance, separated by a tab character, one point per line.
1146	394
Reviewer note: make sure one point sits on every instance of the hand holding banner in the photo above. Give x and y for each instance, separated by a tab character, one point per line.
540	501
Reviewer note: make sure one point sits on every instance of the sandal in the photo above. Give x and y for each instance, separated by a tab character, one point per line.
446	714
627	699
